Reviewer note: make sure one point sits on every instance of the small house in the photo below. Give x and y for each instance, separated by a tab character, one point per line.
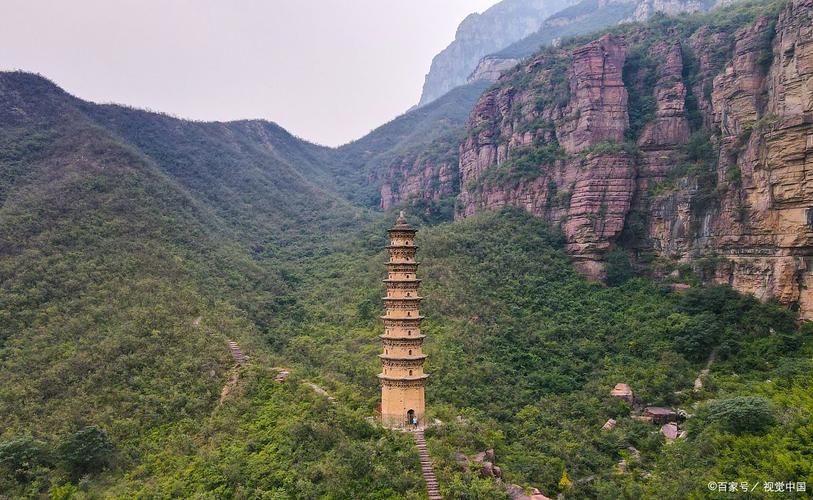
660	415
623	391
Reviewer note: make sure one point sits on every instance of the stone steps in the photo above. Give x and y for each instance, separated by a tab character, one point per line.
426	468
237	354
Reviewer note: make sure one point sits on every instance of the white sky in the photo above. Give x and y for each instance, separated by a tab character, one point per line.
327	70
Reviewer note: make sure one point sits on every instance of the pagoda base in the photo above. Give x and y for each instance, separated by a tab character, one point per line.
402	402
399	422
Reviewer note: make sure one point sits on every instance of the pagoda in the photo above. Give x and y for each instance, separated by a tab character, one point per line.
402	377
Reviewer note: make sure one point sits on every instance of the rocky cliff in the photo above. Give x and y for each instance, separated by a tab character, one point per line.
413	175
684	141
429	174
491	68
581	18
646	8
481	34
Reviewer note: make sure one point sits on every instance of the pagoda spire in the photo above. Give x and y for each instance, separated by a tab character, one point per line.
402	377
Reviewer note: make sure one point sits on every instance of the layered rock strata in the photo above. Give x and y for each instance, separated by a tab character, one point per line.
715	169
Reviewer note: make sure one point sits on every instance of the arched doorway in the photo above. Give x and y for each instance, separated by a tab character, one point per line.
411	420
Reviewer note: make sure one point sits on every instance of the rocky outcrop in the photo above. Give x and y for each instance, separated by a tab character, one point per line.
661	139
597	111
418	177
756	225
647	8
491	68
670	126
766	116
424	174
482	34
588	192
583	17
715	172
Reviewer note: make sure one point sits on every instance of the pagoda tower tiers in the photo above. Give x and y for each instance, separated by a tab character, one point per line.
402	377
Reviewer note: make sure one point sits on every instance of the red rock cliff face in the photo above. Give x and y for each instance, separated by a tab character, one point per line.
588	191
554	137
428	173
757	227
418	177
597	111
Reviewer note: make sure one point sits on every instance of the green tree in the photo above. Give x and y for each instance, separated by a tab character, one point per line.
741	414
619	268
86	451
697	336
21	456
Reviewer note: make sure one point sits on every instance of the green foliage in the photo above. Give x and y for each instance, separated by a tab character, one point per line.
635	227
741	414
433	211
538	124
611	147
525	165
696	336
67	491
619	268
353	164
21	457
640	76
277	440
696	170
525	350
733	175
86	451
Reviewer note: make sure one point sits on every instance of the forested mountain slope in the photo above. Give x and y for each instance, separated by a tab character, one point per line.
126	266
360	166
525	350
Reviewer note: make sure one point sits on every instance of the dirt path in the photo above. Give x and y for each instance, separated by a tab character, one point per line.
321	392
698	382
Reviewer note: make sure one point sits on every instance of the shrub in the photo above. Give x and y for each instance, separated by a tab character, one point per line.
86	451
742	414
619	268
19	457
697	336
66	491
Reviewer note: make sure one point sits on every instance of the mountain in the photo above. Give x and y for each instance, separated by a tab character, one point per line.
680	140
482	34
132	247
425	173
580	19
360	167
677	141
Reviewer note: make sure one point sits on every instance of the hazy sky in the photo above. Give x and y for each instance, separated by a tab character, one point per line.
327	70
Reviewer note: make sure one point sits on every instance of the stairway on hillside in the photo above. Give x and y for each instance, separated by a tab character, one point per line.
426	468
237	354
